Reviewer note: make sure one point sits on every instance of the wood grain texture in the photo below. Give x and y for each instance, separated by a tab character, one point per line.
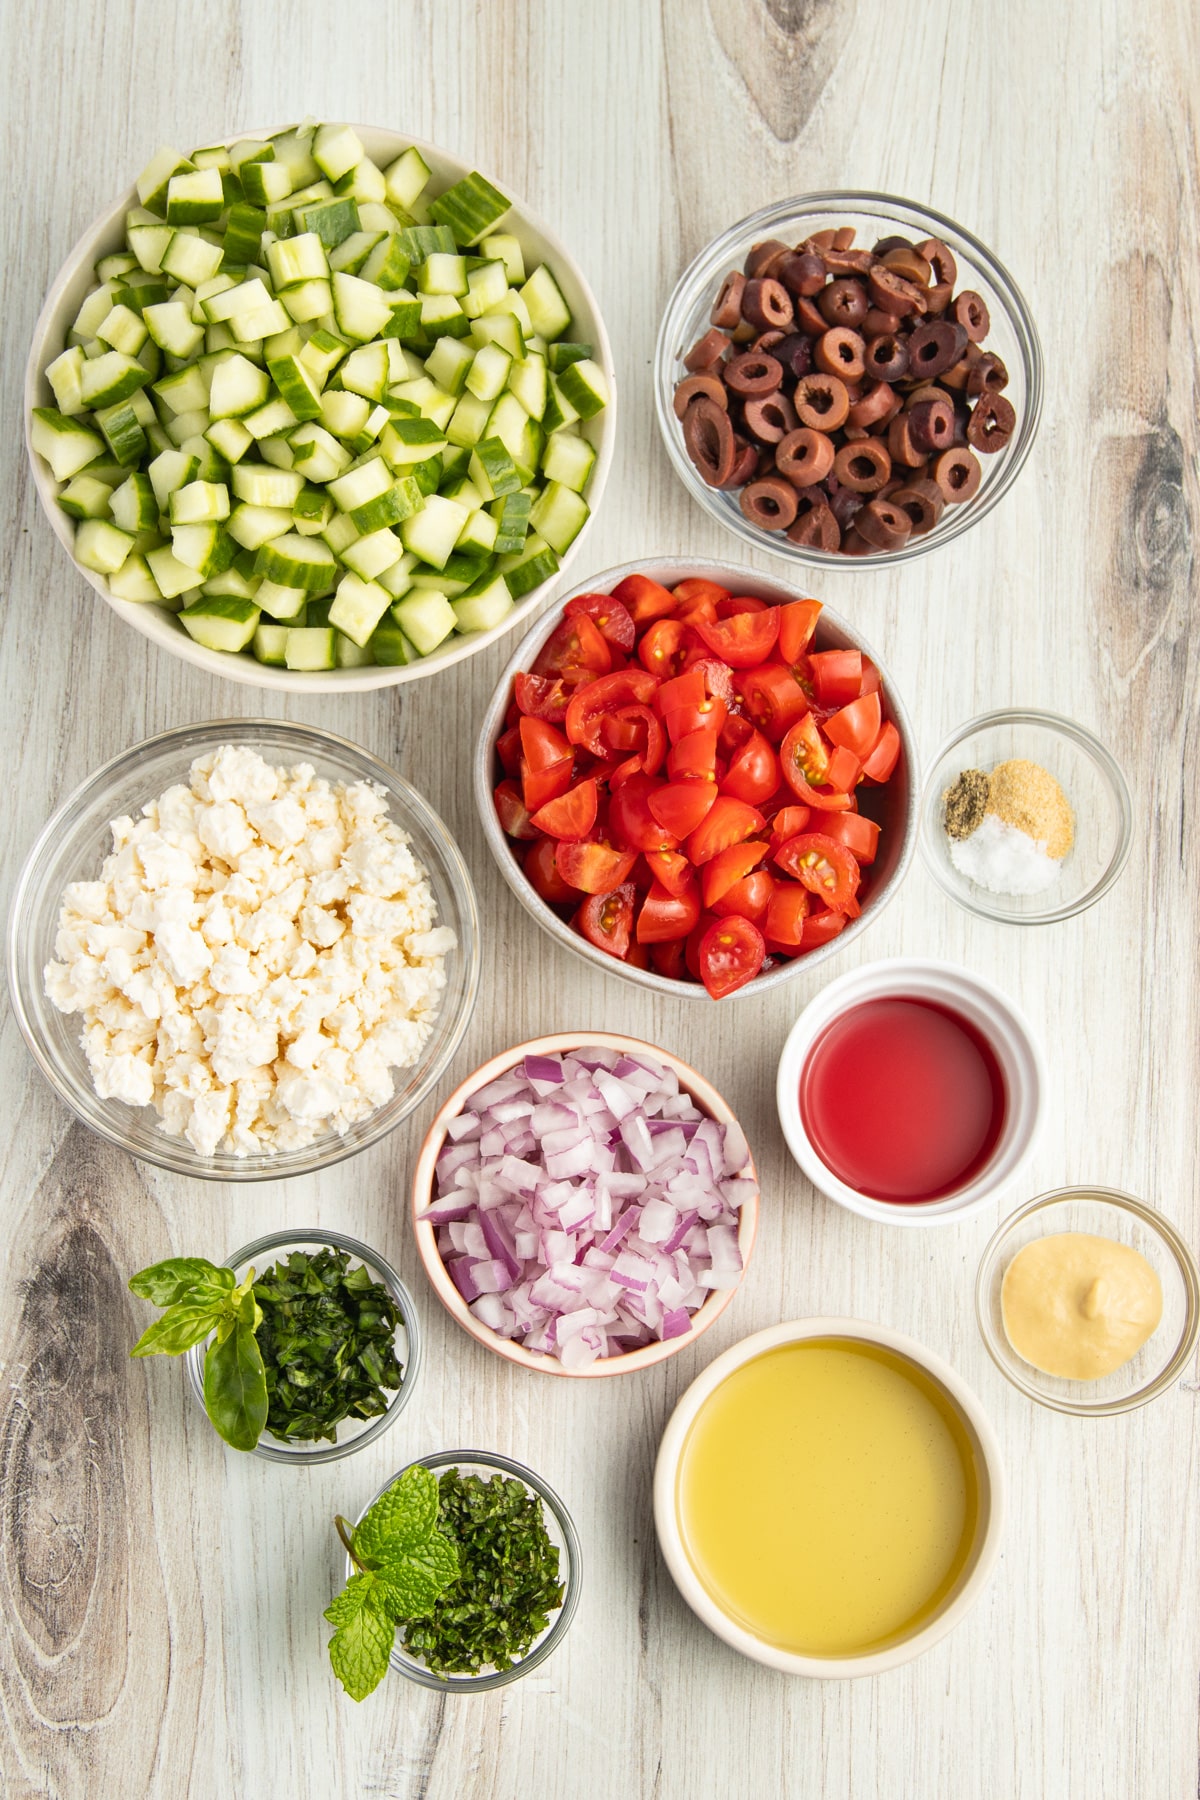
161	1597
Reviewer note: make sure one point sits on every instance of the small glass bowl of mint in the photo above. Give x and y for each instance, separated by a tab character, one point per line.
552	1561
339	1339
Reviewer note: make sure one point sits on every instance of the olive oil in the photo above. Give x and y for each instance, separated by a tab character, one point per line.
828	1497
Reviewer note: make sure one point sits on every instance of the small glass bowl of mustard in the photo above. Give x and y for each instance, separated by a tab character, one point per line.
1102	1213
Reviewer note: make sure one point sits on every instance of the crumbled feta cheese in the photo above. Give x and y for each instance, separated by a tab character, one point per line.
259	951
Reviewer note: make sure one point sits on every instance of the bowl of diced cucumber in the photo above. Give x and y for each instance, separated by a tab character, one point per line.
320	408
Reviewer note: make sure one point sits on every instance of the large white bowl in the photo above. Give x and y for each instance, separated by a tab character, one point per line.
66	296
989	1470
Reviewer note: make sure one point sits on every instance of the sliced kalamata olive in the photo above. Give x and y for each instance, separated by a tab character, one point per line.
886	245
958	474
802	273
705	352
844	504
770	503
991	424
821	401
900	445
848	262
710	386
770	417
891	293
840	351
931	425
764	258
909	263
751	373
727	307
810	318
795	353
863	467
879	404
805	456
817	529
940	258
970	310
767	305
923	501
766	341
934	347
708	436
883	525
844	302
745	463
987	377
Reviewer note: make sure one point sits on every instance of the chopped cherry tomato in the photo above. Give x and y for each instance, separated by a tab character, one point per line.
608	615
732	604
670	868
731	953
718	676
681	692
593	868
786	915
803	755
836	676
744	640
871	683
883	757
753	772
574	644
624	687
822	865
512	811
749	898
661	649
680	805
728	867
670	960
630	820
540	786
546	696
644	599
569	815
773	699
638	729
820	928
797	623
788	822
542	745
544	877
860	835
666	916
698	599
856	727
638	955
728	822
508	749
606	920
693	757
843	771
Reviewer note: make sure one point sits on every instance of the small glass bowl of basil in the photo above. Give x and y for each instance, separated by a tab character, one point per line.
548	1558
317	1290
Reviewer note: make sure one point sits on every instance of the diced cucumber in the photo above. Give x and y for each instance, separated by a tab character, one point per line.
199	502
448	362
65	375
548	312
244	233
469	421
172	469
426	618
333	220
111	377
205	548
488	373
358	485
196	197
123	330
559	412
371	554
153	182
124	431
311	300
296	386
266	183
568	458
313	511
470	208
492	469
172	576
344	414
442	274
322	354
220	622
238	387
433	532
230	438
563	354
501	246
585	385
353	251
399	502
535	564
483	606
284	603
336	149
149	245
100	546
170	325
190	259
297	259
311	647
386	265
85	497
232	581
271	420
186	390
133	581
442	315
270	644
366	371
405	442
406	178
358	607
519	434
478	534
349	655
389	644
66	445
317	453
296	561
559	515
486	287
361	309
254	526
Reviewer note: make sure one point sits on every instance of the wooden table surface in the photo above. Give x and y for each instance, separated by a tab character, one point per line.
162	1597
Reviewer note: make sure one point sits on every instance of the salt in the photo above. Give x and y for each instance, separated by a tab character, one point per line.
1003	859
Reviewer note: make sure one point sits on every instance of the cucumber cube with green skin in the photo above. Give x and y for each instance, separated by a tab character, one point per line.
313	510
294	150
123	431
237	387
559	515
562	355
343	414
433	533
66	445
296	562
133	581
366	371
322	354
362	310
172	469
426	618
243	233
406	178
317	611
568	458
184	391
501	246
270	644
488	373
483	606
232	581
585	385
199	503
253	526
296	386
536	563
390	646
549	313
362	483
353	251
333	220
317	453
123	330
470	208
486	287
398	579
387	266
336	149
340	533
170	325
220	622
191	259
229	438
406	441
173	577
265	183
443	274
401	501
502	329
101	547
311	647
528	381
205	548
404	317
297	259
492	469
286	604
469	421
261	486
106	379
86	497
365	181
64	375
272	420
358	607
134	505
448	363
349	655
196	197
441	315
478	534
154	180
149	244
370	555
512	522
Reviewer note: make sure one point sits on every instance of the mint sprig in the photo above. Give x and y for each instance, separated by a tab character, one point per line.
203	1299
403	1565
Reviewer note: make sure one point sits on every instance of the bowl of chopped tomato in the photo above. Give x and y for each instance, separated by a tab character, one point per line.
697	777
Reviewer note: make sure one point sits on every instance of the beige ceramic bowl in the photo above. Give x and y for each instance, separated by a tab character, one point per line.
705	1097
107	233
989	1472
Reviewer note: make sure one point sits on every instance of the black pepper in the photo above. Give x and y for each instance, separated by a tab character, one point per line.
966	802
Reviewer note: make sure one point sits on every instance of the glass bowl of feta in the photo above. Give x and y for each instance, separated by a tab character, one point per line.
243	950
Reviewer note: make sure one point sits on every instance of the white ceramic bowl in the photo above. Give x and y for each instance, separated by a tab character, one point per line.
989	1470
961	991
76	277
899	799
705	1097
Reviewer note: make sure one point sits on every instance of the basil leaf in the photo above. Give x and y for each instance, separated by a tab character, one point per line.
401	1519
235	1388
412	1583
360	1647
181	1326
164	1283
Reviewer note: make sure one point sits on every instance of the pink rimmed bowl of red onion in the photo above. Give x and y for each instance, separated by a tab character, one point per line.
585	1204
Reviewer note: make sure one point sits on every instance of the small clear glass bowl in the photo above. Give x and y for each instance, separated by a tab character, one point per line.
561	1530
1094	787
1012	336
1101	1212
352	1434
74	843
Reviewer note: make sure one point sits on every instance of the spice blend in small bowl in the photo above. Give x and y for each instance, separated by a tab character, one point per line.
1009	830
